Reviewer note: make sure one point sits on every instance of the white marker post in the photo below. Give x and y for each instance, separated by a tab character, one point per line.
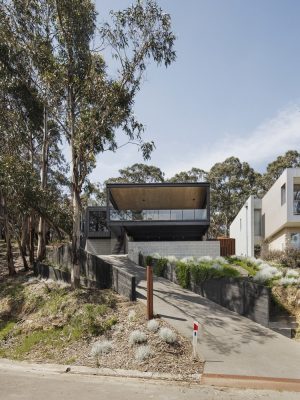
195	338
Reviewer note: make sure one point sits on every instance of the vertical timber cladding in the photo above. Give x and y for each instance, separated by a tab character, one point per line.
227	246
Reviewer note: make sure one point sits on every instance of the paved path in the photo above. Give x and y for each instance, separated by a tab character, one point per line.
20	382
229	343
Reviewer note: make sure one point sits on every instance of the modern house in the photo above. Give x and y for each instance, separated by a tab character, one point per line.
279	224
167	218
246	227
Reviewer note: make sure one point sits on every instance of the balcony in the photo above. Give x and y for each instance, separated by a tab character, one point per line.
158	215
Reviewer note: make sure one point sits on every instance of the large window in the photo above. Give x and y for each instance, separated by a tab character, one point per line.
296	198
283	194
97	221
295	240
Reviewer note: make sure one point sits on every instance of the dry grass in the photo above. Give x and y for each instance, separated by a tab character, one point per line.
46	322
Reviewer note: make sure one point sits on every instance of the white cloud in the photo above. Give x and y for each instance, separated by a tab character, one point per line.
265	143
270	139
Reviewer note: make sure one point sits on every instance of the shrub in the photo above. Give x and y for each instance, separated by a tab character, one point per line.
157	256
205	258
103	347
183	274
289	257
187	260
153	325
266	273
142	353
204	271
159	266
131	315
288	281
137	337
171	259
220	260
292	273
167	335
149	260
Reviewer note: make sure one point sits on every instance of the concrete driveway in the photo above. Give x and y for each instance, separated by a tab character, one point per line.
229	343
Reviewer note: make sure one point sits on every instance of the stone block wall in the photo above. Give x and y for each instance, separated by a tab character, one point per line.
178	249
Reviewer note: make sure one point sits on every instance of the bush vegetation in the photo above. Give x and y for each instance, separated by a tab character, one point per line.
289	257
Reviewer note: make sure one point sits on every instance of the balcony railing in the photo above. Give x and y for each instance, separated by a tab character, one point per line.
159	215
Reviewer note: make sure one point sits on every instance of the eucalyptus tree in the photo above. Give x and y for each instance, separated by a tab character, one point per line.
139	173
231	182
291	159
193	175
29	34
95	103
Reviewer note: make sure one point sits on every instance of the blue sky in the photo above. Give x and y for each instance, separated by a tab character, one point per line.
233	90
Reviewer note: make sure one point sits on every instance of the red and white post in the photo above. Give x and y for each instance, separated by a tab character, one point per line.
195	338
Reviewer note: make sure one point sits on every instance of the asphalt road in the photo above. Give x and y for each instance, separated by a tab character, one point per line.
53	386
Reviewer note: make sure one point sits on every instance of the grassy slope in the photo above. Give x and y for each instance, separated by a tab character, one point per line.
34	313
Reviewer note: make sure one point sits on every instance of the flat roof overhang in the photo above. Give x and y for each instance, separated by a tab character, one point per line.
158	196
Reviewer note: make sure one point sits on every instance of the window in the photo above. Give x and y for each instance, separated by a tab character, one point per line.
295	240
97	221
283	194
257	222
296	198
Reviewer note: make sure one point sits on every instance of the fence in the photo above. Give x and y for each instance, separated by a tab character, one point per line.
227	246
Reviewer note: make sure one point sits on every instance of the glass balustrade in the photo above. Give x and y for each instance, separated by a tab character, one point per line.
159	215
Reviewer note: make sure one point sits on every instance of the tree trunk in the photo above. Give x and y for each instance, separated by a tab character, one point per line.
41	249
31	218
75	275
24	236
31	238
76	201
23	255
9	254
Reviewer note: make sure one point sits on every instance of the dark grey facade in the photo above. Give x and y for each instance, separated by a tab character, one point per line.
159	211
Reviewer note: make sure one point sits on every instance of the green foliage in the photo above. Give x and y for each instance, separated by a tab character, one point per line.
246	264
232	182
5	329
139	173
149	260
204	271
51	337
291	159
183	274
159	266
193	175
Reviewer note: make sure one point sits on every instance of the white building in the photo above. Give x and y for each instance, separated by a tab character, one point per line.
246	227
275	218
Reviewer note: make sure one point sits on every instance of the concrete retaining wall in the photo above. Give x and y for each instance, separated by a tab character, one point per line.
94	272
178	249
101	246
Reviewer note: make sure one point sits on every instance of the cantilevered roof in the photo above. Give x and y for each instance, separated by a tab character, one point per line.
164	196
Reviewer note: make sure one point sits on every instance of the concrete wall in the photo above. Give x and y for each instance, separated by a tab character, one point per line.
177	249
242	228
101	246
280	220
94	272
